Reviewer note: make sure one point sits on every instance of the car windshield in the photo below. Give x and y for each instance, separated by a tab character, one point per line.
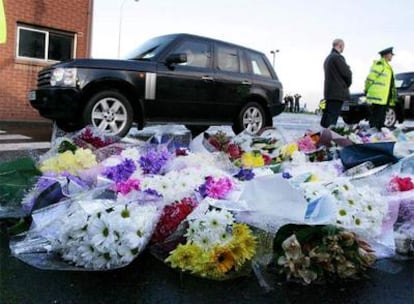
149	50
403	81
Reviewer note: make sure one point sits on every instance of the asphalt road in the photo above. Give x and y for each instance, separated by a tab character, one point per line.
147	280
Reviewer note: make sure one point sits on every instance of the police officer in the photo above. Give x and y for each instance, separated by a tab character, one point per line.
380	88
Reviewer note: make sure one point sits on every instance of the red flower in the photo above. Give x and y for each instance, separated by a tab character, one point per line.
234	151
267	159
401	184
215	143
171	217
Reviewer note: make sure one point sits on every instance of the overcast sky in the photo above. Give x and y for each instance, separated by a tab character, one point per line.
302	30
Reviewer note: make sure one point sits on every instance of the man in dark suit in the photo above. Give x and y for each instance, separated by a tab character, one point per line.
338	79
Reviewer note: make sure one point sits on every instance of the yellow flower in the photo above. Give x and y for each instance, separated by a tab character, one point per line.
287	150
184	256
251	159
223	258
85	158
243	245
313	178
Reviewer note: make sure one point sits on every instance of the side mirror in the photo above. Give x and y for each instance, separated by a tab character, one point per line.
176	58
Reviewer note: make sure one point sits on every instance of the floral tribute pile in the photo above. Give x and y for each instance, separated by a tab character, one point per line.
97	202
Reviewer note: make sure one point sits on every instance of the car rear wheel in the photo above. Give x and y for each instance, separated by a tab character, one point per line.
109	111
252	118
390	118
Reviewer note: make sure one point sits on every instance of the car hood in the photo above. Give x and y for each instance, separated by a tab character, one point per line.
141	65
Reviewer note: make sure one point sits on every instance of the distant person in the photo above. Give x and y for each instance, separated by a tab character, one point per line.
297	107
338	79
288	103
290	100
380	88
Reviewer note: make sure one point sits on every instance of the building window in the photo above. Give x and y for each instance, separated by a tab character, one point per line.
43	44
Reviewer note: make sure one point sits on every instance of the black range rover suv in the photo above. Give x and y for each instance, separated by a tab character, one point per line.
178	78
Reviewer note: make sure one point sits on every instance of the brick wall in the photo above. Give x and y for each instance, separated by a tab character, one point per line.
18	76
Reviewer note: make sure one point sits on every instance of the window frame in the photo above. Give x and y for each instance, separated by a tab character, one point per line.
237	54
47	33
185	65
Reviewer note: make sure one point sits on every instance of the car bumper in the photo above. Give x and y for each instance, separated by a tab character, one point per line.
276	109
56	103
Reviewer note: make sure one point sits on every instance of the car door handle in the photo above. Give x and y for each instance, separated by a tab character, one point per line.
207	78
246	82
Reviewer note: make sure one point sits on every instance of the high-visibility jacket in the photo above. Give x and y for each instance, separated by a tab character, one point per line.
379	85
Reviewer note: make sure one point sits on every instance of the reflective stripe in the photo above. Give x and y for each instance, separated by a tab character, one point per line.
374	98
379	83
379	73
150	85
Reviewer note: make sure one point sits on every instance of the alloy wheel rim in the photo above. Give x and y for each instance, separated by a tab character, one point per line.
389	118
109	115
252	120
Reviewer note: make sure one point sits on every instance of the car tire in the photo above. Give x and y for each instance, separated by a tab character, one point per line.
109	111
196	129
252	118
390	118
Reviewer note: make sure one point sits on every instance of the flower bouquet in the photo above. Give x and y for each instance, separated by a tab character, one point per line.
213	246
317	254
246	151
16	178
94	232
401	194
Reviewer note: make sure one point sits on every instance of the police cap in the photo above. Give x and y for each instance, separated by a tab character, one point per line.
386	51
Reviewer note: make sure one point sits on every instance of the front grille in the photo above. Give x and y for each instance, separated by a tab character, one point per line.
43	78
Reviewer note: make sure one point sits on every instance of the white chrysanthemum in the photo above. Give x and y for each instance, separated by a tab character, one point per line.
218	219
206	239
111	161
298	158
101	232
131	153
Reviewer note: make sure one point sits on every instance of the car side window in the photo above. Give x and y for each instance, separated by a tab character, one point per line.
198	53
227	59
259	66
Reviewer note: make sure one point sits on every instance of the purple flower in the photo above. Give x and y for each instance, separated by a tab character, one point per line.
120	172
152	192
154	161
286	175
245	174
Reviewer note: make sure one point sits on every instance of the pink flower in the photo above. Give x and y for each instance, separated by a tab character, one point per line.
216	188
124	187
306	144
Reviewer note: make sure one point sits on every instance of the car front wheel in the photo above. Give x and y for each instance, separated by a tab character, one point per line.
252	118
109	111
390	118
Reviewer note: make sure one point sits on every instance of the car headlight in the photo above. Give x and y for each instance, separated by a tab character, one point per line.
65	77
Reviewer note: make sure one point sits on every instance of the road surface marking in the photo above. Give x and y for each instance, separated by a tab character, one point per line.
13	136
25	146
